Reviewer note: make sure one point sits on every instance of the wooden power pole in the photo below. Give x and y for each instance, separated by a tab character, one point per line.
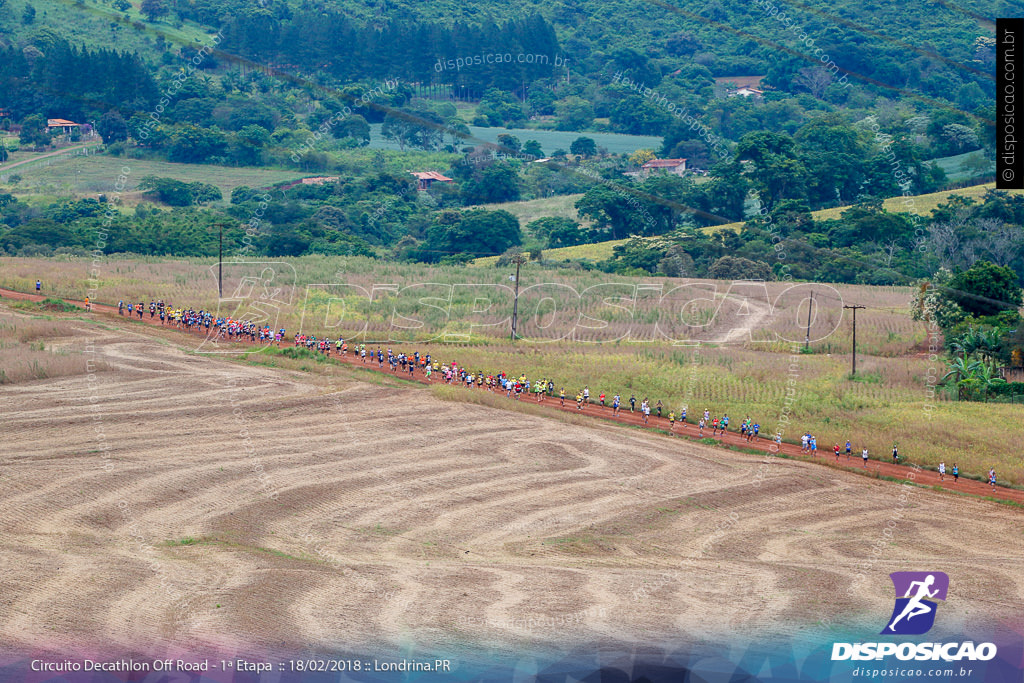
854	309
515	303
220	261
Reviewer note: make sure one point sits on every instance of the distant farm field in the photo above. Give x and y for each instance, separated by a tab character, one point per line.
64	175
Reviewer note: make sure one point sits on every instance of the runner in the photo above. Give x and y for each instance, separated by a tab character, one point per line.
647	410
864	454
561	396
658	406
896	455
586	394
956	473
847	449
671	422
601	398
39	286
632	402
616	401
805	440
836	449
942	471
992	478
753	435
701	426
88	307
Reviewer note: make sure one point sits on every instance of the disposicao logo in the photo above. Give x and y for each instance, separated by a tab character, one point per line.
914	612
917	594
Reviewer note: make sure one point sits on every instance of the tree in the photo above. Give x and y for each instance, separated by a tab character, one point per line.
153	9
474	233
122	5
249	143
178	193
355	127
3	152
574	113
931	304
413	128
557	231
640	157
777	173
34	132
496	183
583	146
532	148
29	15
738	268
985	289
813	79
612	210
112	127
510	143
500	108
196	144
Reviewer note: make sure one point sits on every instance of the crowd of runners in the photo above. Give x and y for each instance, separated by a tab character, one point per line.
514	386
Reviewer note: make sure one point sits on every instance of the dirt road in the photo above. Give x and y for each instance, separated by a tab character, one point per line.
824	455
191	501
59	152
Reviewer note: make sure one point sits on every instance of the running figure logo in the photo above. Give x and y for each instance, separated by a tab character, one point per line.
916	596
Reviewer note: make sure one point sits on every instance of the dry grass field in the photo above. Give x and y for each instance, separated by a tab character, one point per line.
727	367
34	347
194	501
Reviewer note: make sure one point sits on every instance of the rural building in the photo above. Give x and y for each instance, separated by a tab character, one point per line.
424	179
1011	374
739	86
61	126
747	91
673	166
320	180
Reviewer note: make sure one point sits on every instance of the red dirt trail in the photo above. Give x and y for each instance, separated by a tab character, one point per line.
825	457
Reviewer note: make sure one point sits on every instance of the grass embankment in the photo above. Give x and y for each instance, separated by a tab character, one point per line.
922	206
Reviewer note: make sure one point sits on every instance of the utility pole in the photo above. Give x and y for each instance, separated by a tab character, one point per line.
810	305
220	261
515	303
854	309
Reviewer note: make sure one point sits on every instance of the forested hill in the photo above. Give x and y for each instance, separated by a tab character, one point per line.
405	38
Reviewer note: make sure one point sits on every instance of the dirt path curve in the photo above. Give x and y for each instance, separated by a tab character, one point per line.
66	150
690	431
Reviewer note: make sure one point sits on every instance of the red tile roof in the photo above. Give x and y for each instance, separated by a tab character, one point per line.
431	175
664	163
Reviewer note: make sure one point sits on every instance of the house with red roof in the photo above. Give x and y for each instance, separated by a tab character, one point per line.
424	179
673	166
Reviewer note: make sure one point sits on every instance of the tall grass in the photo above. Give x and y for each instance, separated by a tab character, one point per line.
889	402
41	349
346	295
